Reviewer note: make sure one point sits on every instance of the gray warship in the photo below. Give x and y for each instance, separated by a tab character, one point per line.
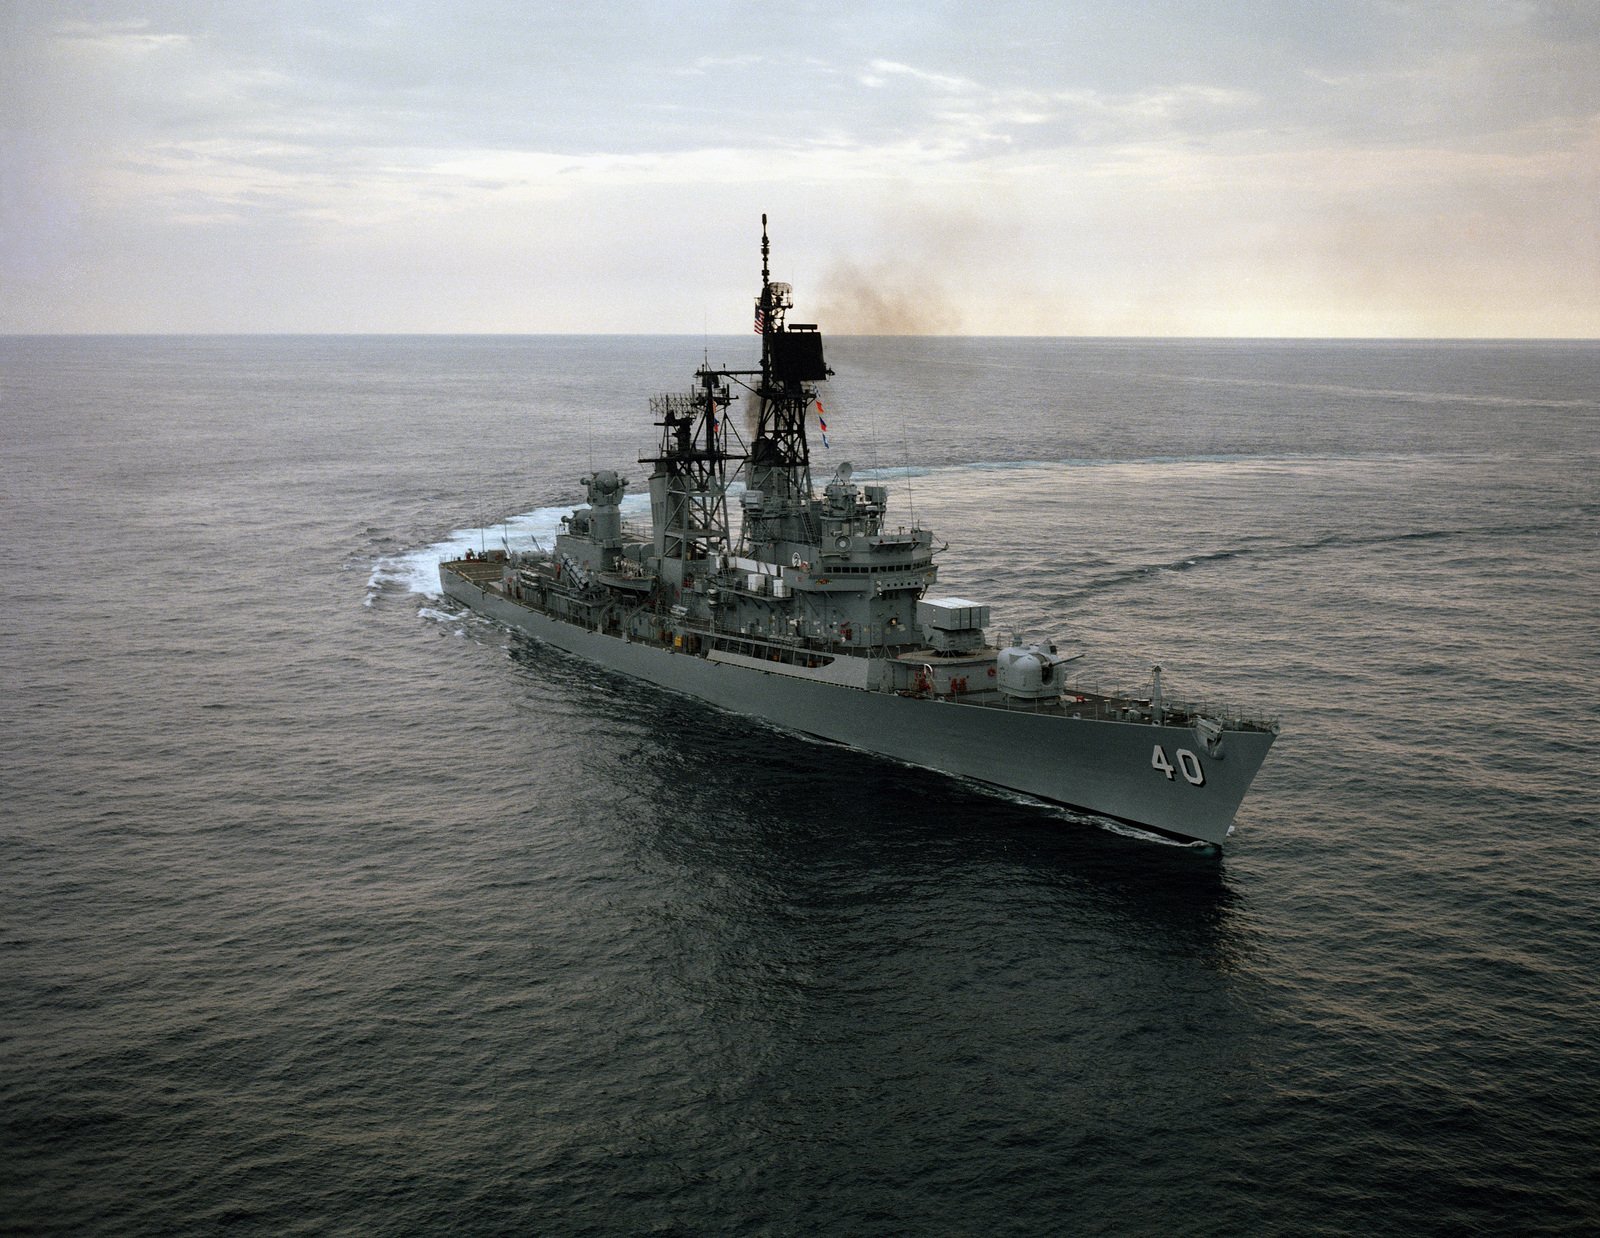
816	614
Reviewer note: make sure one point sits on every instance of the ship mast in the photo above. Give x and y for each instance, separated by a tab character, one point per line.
779	465
688	486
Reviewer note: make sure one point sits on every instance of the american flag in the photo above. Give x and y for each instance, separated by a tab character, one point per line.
761	320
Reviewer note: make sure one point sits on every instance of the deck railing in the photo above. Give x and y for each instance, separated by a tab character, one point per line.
1091	701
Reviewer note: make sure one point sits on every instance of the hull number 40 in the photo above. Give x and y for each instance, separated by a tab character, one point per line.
1188	765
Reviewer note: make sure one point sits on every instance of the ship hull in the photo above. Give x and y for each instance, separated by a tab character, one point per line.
1098	766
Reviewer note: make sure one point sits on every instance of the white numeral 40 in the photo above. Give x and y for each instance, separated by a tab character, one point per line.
1188	765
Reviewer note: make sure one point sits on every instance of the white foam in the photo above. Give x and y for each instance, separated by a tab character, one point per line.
1087	818
1147	836
417	571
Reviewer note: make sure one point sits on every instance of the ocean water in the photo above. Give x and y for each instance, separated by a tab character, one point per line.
325	908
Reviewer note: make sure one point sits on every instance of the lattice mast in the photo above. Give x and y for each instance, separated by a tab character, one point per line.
688	488
791	358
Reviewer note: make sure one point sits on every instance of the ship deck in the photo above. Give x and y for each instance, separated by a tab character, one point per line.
1080	698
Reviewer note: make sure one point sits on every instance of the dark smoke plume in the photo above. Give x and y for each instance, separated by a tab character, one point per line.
883	299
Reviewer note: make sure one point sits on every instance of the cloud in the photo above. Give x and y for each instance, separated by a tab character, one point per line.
132	38
1167	167
878	73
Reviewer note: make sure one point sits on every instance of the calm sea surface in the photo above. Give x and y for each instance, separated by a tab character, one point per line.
325	908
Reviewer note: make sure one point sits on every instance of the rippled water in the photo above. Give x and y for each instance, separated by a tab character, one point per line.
326	908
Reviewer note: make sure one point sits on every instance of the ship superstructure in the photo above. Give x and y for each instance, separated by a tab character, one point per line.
816	613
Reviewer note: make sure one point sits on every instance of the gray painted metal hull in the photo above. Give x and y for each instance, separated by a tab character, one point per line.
1103	767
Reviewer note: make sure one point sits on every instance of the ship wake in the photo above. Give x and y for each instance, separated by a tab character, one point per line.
416	572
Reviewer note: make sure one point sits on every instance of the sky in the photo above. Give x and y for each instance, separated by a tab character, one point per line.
1345	168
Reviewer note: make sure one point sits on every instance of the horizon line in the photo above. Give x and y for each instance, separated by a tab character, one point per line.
859	335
